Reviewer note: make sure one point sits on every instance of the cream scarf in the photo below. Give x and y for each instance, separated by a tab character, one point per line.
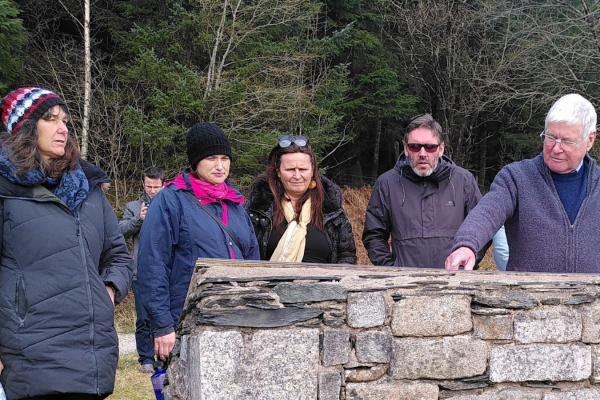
291	245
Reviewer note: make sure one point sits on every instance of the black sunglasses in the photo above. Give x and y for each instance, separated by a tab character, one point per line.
287	140
416	147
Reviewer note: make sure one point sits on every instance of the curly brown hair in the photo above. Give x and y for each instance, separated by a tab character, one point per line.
25	153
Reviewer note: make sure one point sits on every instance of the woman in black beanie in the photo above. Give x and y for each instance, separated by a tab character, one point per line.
199	214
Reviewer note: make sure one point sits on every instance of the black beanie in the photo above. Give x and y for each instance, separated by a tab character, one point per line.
205	140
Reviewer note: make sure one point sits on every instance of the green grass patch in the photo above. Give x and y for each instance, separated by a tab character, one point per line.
130	383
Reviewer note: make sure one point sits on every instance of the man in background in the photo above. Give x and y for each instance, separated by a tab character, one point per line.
549	205
421	202
135	212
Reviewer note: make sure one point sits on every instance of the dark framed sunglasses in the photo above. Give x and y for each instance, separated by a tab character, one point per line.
416	147
287	140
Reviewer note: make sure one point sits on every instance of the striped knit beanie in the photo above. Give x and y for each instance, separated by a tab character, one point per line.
26	103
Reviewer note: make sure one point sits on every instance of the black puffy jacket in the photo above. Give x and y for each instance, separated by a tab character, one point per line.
57	329
337	228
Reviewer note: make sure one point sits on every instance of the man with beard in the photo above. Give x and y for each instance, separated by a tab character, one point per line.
421	202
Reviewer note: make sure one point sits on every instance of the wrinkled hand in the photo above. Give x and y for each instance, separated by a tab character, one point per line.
461	256
143	211
164	345
111	293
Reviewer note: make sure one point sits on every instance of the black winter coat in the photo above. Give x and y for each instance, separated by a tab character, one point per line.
261	205
57	329
422	214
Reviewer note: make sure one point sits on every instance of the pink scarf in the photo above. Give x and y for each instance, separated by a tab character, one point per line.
207	192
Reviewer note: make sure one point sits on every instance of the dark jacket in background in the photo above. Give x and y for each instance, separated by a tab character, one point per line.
56	318
337	228
130	226
175	233
422	214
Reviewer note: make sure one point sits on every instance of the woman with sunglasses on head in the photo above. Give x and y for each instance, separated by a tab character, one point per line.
297	213
199	214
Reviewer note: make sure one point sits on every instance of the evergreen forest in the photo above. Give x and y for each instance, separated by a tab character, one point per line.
350	74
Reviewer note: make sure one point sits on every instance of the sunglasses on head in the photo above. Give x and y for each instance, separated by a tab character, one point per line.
416	147
287	140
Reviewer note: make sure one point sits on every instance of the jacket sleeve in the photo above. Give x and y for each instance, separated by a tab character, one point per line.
158	236
252	252
378	225
116	265
491	212
346	248
131	223
473	196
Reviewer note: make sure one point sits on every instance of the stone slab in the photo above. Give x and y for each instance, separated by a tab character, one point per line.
493	327
590	317
373	347
255	318
366	310
309	292
502	394
451	357
540	362
336	346
432	316
547	325
580	394
392	391
269	365
330	384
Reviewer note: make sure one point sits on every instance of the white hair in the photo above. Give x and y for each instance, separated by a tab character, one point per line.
574	109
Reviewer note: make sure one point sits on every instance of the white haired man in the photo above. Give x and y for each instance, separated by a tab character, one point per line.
549	205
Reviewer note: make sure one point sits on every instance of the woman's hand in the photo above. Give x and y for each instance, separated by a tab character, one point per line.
163	345
1	366
111	293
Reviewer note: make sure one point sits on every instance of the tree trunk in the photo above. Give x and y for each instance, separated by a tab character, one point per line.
482	158
88	80
375	165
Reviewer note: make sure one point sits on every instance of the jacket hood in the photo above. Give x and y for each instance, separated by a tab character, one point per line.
94	174
262	198
441	172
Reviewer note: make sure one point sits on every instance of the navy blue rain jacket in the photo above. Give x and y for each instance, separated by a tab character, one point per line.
176	232
57	329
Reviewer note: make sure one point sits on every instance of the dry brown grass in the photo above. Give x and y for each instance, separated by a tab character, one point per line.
355	203
125	315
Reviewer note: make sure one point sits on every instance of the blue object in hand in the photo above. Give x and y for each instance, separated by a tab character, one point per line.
157	379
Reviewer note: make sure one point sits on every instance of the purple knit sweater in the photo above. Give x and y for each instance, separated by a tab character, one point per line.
540	236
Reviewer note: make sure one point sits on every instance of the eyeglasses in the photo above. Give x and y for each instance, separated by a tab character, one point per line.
566	145
287	140
416	147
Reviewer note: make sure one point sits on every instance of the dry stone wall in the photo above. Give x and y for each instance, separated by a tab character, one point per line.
265	330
